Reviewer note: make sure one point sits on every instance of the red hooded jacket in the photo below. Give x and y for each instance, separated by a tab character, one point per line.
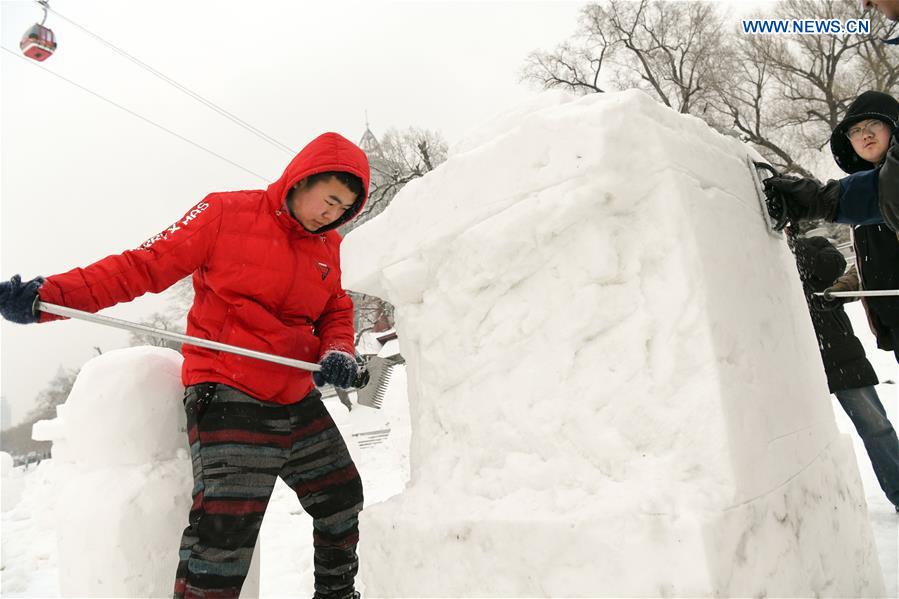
261	280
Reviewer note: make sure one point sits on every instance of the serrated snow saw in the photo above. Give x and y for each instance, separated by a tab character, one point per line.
381	370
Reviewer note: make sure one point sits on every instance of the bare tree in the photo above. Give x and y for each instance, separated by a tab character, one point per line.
670	49
673	48
157	320
878	61
174	318
575	68
371	313
788	93
782	93
17	440
749	103
401	157
54	394
181	298
820	75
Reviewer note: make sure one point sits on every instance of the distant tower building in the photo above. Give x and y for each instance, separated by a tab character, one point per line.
372	148
369	142
379	169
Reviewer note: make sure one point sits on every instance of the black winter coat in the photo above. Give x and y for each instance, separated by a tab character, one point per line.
877	257
820	264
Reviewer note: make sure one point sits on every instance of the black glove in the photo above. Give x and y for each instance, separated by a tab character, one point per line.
338	368
806	199
826	302
17	299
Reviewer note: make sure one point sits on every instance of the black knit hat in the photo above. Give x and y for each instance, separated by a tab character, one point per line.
869	105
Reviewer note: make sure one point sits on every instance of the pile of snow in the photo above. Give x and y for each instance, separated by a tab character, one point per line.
30	552
384	466
613	380
131	396
13	483
881	513
122	475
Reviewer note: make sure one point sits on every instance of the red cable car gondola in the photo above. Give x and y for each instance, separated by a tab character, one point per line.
39	42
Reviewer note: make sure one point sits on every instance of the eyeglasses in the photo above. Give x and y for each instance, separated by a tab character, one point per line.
874	126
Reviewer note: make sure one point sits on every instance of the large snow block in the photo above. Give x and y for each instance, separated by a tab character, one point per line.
614	384
124	477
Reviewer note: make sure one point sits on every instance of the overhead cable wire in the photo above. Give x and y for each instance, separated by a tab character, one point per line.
233	118
141	117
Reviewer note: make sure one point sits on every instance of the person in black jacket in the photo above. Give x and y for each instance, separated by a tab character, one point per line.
849	374
860	141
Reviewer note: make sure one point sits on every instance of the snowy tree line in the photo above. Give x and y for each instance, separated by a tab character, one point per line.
17	440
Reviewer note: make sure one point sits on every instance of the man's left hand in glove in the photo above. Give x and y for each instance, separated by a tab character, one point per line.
806	199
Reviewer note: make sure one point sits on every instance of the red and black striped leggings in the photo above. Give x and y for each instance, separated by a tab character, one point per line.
239	446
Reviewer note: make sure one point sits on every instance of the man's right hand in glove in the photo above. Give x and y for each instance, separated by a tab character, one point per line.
337	368
18	299
806	199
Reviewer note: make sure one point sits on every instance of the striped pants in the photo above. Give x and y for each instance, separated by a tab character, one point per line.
239	446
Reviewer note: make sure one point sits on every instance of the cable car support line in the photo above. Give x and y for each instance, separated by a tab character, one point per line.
143	118
233	118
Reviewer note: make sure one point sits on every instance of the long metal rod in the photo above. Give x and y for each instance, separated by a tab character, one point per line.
134	327
875	293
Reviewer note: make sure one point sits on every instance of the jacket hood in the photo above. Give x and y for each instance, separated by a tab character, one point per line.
869	105
327	152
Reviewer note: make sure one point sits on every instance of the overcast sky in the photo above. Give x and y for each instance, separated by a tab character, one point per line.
80	179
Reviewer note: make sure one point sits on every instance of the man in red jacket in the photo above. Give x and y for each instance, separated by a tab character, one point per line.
266	276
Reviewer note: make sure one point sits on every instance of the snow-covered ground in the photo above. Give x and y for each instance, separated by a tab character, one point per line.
30	558
884	519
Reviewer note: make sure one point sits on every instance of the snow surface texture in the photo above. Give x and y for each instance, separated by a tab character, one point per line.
122	476
13	483
613	380
29	553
